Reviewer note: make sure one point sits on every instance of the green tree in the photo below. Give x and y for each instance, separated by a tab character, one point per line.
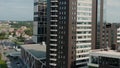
3	35
29	32
21	39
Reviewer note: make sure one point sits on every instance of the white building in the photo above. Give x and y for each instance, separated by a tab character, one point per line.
84	28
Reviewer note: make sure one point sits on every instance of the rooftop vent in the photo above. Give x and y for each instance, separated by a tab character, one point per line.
43	43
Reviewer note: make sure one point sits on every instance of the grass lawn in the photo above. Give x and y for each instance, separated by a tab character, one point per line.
3	64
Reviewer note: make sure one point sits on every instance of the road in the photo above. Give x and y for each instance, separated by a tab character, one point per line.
6	46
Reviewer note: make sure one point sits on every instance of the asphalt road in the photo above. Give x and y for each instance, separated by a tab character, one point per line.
12	62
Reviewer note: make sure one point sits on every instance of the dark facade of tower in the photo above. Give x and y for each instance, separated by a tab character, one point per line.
60	49
69	33
40	21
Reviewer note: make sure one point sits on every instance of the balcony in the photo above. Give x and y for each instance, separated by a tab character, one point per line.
53	44
53	59
54	15
53	39
54	6
53	64
53	49
53	54
54	0
54	11
53	30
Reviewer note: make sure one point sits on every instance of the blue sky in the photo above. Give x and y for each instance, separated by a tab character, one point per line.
16	9
23	10
113	11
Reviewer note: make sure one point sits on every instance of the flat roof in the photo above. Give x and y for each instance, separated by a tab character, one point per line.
109	53
37	50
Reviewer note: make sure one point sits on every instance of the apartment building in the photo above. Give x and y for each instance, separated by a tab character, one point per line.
98	21
110	35
40	21
69	33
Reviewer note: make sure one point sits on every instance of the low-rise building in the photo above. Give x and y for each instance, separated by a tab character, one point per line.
104	59
34	55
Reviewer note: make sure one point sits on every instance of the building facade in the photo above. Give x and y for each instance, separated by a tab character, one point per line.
40	21
110	35
98	20
69	33
104	59
33	55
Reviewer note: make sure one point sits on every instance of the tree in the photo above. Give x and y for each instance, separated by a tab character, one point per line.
21	39
3	35
29	32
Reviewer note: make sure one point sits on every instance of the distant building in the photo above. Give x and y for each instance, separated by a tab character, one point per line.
110	35
4	27
11	30
118	36
23	27
98	20
40	21
34	55
104	59
19	32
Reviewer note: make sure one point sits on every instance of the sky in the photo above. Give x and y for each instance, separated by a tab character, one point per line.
16	10
23	10
113	11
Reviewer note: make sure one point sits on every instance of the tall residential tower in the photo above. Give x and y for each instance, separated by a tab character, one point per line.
98	22
69	33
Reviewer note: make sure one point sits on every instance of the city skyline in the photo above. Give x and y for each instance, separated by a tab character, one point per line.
16	6
11	10
59	34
